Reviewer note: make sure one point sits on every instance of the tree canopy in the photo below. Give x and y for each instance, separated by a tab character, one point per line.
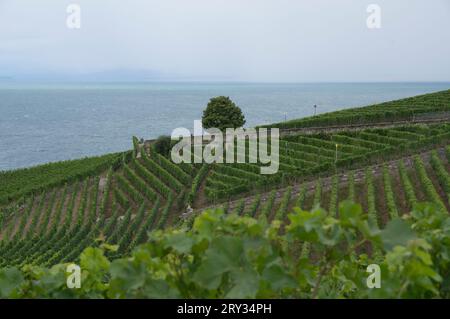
222	113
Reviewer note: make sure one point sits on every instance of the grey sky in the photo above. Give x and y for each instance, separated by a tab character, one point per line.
243	40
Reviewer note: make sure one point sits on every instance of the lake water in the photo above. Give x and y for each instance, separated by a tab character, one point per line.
42	123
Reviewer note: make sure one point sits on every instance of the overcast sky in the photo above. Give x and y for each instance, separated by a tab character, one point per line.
238	40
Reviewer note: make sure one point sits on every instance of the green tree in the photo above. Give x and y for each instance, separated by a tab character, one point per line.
222	113
162	145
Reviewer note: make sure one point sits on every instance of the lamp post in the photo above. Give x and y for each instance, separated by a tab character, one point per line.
315	109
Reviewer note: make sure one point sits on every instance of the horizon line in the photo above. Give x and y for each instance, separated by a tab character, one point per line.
114	81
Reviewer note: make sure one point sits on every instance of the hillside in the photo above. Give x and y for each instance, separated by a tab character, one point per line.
424	107
49	214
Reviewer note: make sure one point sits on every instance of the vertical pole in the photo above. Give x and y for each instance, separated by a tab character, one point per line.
335	172
336	155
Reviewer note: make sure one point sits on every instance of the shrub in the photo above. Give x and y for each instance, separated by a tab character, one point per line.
162	145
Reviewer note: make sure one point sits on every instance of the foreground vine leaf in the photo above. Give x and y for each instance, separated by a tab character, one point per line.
228	256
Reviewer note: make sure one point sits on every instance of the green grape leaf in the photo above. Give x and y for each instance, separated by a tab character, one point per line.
180	242
396	233
10	281
223	255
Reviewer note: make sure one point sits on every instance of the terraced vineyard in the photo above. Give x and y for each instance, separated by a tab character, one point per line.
385	191
304	156
118	206
49	214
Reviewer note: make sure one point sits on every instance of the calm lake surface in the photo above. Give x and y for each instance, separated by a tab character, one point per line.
42	123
